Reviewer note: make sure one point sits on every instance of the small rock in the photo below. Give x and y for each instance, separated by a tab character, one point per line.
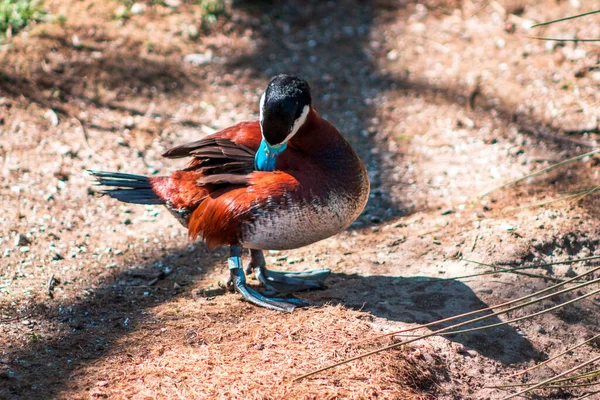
392	55
172	3
21	240
176	286
138	8
129	122
26	322
51	116
466	122
24	249
62	149
121	12
540	329
191	31
198	58
459	348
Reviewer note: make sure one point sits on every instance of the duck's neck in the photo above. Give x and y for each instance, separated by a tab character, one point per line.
315	134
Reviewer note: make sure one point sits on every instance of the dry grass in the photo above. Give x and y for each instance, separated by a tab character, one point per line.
202	352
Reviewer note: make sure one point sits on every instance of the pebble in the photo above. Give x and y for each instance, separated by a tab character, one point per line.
138	8
459	348
191	31
51	116
540	329
21	240
24	249
199	58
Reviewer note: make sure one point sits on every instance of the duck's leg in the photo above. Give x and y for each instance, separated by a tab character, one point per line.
285	282
238	279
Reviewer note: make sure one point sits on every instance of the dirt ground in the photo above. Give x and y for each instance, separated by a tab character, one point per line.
442	99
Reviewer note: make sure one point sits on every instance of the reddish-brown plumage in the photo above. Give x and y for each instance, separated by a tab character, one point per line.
217	212
218	219
180	189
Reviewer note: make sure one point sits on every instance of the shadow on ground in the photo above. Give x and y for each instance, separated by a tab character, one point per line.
420	300
86	329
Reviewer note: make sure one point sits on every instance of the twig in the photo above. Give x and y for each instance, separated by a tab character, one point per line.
565	19
86	138
543	203
516	271
474	93
542	171
575	368
543	133
485	4
505	304
497	271
562	40
588	395
552	358
474	243
449	328
50	286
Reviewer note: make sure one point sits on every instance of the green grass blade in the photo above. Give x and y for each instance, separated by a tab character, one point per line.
565	19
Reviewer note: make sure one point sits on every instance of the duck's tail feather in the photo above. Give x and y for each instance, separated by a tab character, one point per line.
127	188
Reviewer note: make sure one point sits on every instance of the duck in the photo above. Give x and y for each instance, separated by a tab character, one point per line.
285	181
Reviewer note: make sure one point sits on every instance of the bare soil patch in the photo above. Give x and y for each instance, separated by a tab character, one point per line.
442	102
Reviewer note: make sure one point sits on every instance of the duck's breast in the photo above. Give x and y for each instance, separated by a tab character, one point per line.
315	208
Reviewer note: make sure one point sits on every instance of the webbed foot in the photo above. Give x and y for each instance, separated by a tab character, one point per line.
238	279
285	282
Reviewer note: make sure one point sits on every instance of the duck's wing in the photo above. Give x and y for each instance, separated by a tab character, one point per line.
224	156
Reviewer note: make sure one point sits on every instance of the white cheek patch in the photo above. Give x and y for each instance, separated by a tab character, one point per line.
262	106
298	123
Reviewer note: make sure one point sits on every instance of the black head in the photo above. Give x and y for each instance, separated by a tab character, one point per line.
283	108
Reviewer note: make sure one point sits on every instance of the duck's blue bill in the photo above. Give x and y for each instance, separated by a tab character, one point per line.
266	156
